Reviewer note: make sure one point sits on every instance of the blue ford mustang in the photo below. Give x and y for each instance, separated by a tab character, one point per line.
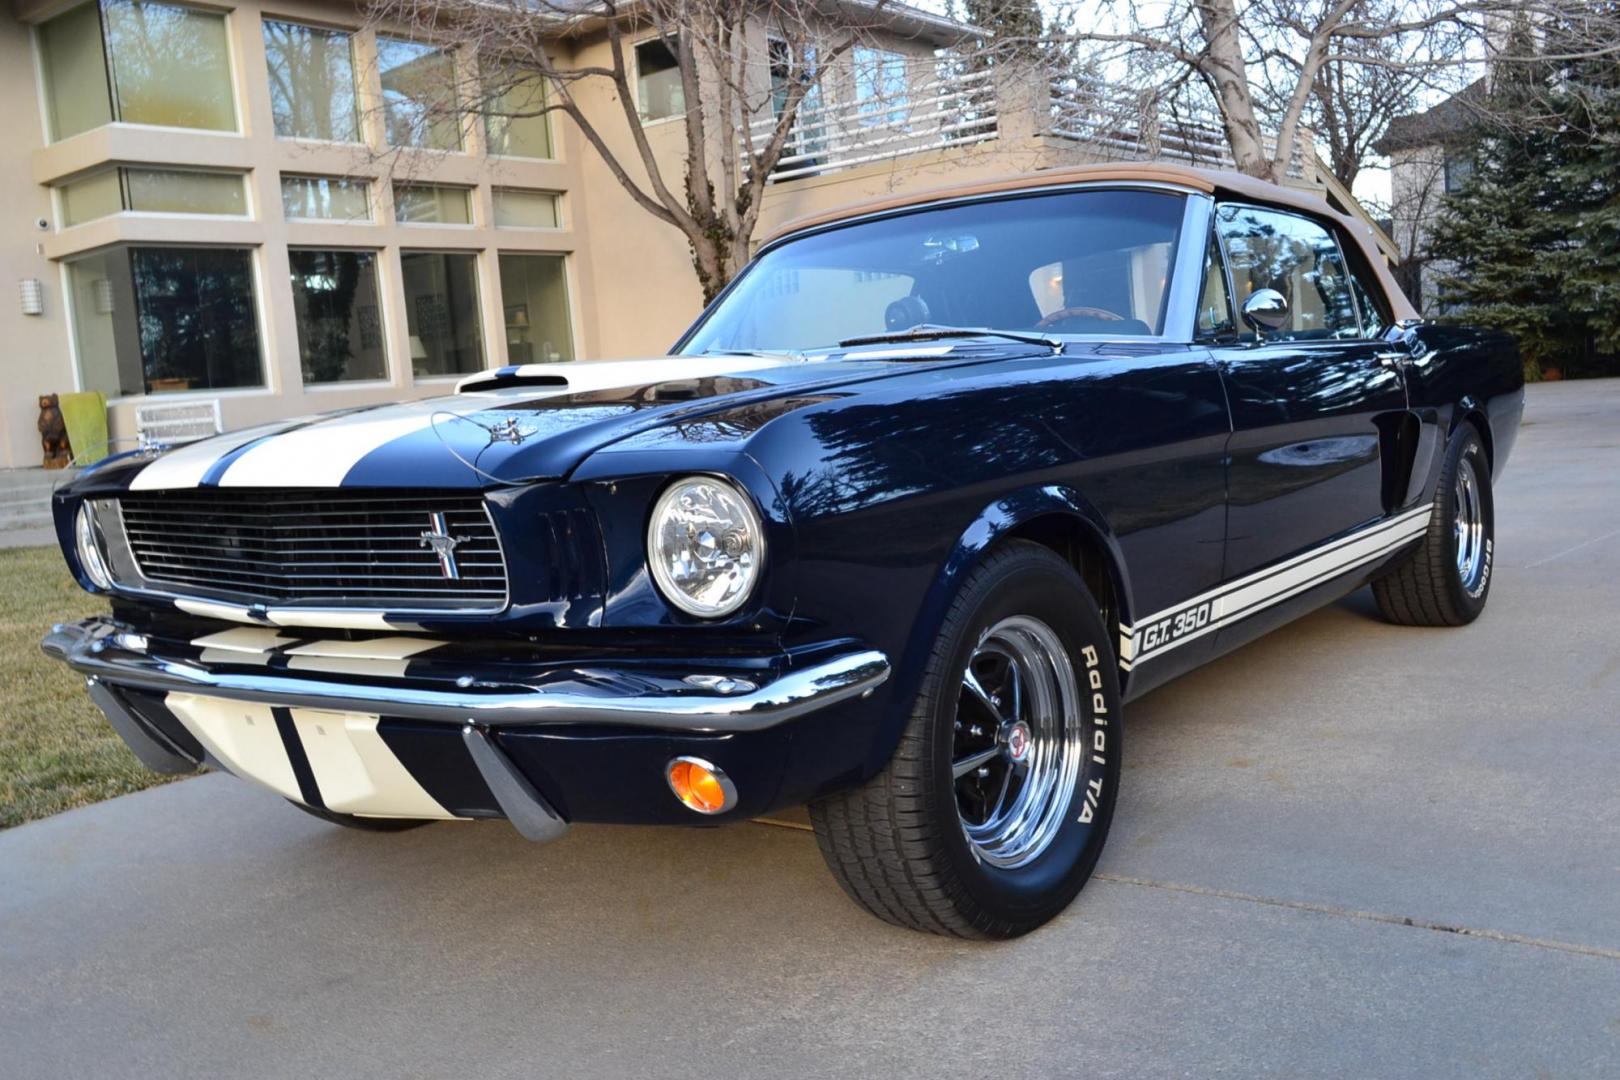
934	489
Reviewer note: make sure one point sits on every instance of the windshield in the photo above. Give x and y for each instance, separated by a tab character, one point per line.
1076	262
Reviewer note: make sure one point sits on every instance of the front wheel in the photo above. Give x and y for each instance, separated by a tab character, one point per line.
1446	580
993	810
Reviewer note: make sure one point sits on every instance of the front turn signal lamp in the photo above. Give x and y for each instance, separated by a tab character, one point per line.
701	785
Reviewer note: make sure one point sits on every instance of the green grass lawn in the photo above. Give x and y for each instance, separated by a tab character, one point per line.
56	750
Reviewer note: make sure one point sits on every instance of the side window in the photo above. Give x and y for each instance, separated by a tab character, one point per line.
1272	249
1214	300
1374	312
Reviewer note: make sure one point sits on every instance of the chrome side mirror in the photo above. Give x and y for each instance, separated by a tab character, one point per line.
1265	309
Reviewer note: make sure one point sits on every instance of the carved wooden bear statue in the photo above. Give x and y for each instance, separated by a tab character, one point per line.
53	432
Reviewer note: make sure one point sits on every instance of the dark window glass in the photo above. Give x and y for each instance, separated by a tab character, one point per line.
441	311
340	334
658	77
1459	170
1076	263
166	319
1215	300
1271	249
1374	314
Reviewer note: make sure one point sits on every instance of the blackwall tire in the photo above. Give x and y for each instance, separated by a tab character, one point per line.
992	813
1446	580
364	824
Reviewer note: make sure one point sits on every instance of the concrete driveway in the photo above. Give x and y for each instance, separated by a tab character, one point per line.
1348	849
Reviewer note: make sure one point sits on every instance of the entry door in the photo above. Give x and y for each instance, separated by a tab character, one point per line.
1312	404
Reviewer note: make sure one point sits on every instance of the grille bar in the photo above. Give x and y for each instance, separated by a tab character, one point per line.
325	548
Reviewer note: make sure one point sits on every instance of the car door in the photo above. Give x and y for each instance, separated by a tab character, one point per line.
1312	402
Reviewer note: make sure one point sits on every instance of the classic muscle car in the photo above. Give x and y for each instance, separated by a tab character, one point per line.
937	487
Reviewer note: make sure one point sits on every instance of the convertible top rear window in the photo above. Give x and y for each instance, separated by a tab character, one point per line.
1075	262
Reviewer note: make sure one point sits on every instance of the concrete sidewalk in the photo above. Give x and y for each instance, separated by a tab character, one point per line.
1348	849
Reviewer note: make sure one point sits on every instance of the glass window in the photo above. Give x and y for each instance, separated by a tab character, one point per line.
170	65
525	209
534	292
77	97
1079	262
1459	169
880	86
340	335
658	79
318	198
1375	317
311	82
515	123
431	204
184	191
441	312
1271	249
96	196
151	320
419	95
1214	300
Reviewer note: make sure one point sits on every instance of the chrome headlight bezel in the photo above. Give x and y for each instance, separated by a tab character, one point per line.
747	562
90	547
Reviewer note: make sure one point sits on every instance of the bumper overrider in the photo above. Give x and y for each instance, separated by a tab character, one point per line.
381	728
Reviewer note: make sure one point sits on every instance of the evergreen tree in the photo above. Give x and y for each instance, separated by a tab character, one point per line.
1534	236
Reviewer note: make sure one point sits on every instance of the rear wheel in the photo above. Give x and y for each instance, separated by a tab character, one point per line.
993	810
1447	579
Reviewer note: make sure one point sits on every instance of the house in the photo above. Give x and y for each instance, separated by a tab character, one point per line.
250	208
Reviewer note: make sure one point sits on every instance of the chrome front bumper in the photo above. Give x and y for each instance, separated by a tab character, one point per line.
114	658
101	649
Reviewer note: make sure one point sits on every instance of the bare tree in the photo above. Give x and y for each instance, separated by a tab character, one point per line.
1268	63
745	70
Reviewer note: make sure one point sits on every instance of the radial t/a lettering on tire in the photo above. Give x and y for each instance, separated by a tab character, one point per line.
993	810
1446	580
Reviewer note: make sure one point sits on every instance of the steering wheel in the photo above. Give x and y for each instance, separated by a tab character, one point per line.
1065	314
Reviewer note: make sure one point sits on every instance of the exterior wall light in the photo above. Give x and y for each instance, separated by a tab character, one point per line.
33	296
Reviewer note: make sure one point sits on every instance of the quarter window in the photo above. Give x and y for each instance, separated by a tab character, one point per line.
311	82
340	337
1271	249
1215	300
153	320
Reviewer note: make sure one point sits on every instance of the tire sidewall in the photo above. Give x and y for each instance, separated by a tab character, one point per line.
1469	446
1040	585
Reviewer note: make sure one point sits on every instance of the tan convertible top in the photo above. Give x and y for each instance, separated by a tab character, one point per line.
1213	181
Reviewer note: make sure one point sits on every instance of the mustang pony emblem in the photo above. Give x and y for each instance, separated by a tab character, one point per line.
438	537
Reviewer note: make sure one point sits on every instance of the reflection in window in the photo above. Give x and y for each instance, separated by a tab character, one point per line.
317	198
1215	301
431	204
525	209
419	95
139	63
340	335
441	312
514	121
151	320
880	86
534	292
1270	249
153	191
658	80
311	82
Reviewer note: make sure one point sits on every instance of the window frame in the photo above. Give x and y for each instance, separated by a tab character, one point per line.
480	315
57	208
635	66
457	72
365	183
356	76
380	283
1250	336
466	191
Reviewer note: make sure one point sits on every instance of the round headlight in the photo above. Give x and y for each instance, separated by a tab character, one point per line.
705	546
92	555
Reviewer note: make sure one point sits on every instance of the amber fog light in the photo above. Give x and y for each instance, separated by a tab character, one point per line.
701	786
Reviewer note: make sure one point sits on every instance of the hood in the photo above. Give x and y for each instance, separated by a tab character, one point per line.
532	422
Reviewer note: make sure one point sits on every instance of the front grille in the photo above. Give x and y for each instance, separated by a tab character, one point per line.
325	548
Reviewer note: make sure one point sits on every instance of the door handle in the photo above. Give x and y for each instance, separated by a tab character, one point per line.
1396	360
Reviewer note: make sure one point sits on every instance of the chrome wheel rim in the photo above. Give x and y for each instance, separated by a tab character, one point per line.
1468	523
1018	745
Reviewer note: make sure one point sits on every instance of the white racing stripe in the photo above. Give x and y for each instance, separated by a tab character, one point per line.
241	736
356	772
1233	601
376	657
185	466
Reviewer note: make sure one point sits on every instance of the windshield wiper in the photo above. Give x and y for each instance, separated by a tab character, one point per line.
769	354
932	332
